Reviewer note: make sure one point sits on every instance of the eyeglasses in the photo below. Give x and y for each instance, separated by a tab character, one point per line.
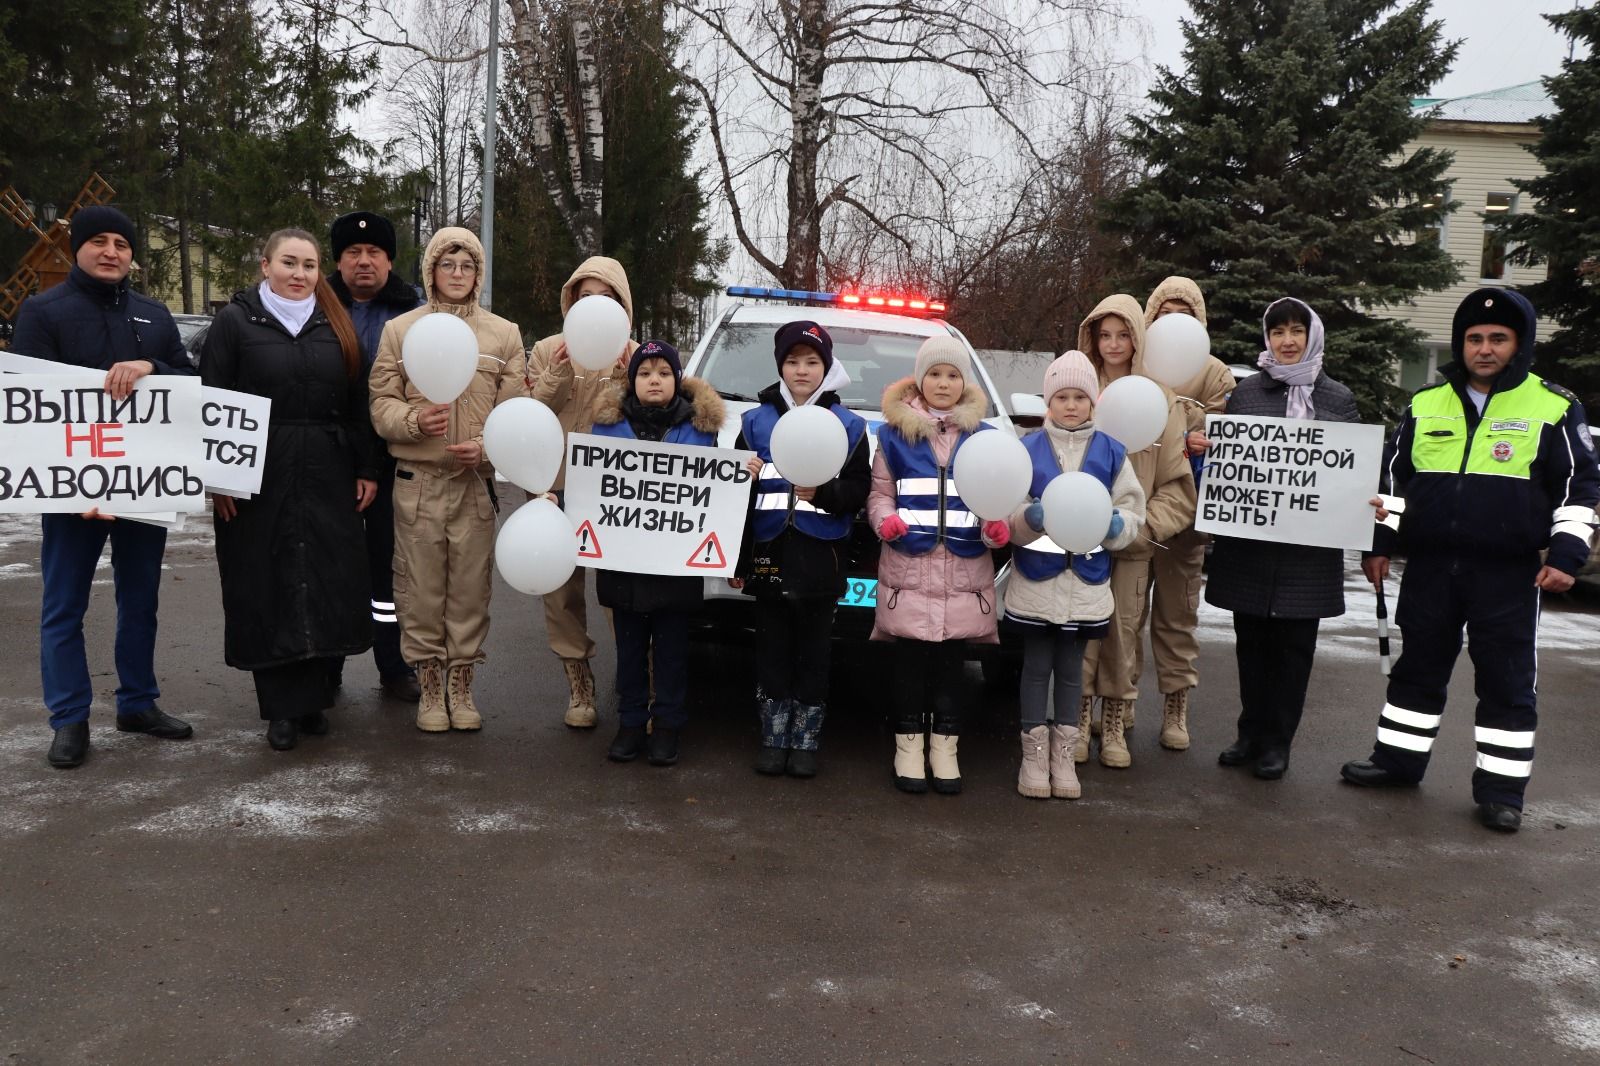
467	267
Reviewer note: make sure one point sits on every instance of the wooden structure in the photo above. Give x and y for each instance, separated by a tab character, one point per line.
50	258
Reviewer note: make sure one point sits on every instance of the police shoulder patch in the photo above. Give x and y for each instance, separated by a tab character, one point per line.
1584	437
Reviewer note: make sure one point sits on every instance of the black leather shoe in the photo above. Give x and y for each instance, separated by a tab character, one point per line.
1238	753
153	721
70	746
315	723
1272	765
283	733
402	687
802	763
772	761
628	744
1500	817
1370	775
663	746
336	674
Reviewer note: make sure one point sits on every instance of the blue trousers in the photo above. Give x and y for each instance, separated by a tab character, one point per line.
71	551
660	638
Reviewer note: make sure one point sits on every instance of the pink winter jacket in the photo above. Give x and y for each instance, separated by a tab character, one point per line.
940	595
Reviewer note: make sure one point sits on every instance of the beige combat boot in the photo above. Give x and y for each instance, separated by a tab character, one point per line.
1063	772
1033	778
431	714
581	712
463	712
1113	745
1175	720
910	764
1080	747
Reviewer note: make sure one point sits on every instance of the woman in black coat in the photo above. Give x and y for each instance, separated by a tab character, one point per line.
293	558
1278	593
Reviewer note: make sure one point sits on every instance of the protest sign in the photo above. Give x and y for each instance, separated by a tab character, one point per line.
651	508
67	447
1290	480
235	435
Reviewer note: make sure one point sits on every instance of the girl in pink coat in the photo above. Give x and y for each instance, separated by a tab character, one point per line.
935	575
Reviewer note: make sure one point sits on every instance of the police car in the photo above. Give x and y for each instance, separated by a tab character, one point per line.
875	337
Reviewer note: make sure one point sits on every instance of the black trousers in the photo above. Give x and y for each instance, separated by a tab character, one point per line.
379	519
1496	602
661	638
1275	656
794	648
927	677
294	689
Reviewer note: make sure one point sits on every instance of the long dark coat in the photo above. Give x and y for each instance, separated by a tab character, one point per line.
1263	577
294	560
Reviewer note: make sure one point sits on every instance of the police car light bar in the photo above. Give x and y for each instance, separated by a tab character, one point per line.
898	304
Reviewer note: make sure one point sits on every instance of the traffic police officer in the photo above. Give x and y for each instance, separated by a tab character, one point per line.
1495	465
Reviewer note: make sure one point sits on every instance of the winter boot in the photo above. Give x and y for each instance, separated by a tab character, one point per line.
1080	747
1063	772
581	712
431	714
1113	746
942	763
463	712
1033	777
910	766
774	715
1175	720
805	726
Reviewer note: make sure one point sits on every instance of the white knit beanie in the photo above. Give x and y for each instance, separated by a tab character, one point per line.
942	350
1071	370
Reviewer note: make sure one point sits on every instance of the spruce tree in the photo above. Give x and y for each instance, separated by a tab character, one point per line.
1563	229
1278	166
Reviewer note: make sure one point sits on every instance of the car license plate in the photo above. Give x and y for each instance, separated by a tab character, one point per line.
860	592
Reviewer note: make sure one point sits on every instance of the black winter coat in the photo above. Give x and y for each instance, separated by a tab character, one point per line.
1263	577
294	560
393	300
91	323
793	564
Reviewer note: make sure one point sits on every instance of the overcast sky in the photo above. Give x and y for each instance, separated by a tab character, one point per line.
1503	42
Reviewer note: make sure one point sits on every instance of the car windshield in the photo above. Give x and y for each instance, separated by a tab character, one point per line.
739	362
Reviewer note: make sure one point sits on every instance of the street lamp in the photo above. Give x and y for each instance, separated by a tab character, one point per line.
424	188
47	214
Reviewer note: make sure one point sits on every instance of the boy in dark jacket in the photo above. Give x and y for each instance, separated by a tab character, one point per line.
650	612
797	547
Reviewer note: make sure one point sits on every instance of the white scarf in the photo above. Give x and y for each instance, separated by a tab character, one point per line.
294	314
835	379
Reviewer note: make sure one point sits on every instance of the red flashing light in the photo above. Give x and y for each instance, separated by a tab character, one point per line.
934	305
918	305
849	299
895	301
875	301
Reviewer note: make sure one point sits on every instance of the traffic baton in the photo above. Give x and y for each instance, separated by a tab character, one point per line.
1383	630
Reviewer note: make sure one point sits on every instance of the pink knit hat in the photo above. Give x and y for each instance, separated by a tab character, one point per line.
1071	370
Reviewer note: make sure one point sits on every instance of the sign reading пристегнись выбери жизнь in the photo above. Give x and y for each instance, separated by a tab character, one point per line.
1290	480
650	508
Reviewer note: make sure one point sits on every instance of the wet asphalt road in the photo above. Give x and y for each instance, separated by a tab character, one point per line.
381	895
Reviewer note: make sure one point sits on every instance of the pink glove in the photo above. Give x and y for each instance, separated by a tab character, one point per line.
892	528
997	533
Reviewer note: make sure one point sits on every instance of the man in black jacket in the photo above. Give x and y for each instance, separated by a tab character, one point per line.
1496	466
364	248
94	319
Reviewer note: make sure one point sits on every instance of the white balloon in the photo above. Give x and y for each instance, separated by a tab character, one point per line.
1077	511
536	550
523	440
809	446
993	472
1175	349
595	330
440	354
1132	411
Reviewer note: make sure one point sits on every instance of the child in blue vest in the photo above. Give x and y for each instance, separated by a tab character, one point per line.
935	574
1058	599
796	549
650	612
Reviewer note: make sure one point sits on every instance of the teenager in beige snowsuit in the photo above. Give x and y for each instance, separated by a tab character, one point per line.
1113	338
571	392
444	503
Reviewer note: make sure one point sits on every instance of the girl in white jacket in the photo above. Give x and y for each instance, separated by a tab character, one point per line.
1060	600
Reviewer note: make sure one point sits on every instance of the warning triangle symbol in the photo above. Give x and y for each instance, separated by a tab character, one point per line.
588	543
708	556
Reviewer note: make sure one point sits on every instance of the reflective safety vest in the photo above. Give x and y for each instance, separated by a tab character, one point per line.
775	505
926	499
1044	558
1505	441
